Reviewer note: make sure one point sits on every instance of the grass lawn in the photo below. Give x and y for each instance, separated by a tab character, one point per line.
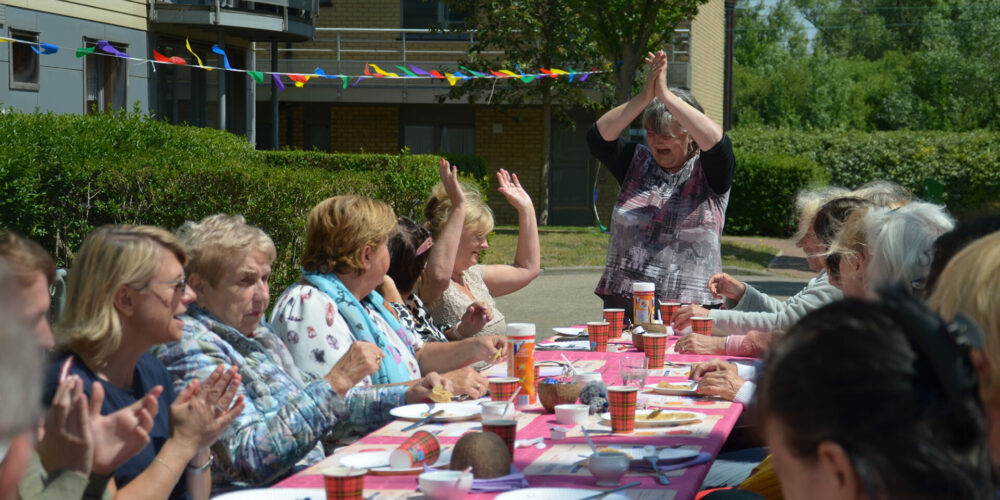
576	246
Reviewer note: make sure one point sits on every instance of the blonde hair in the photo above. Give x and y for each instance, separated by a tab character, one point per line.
217	241
808	202
970	284
478	216
340	227
111	257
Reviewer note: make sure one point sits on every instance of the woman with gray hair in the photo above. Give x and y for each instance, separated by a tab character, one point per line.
670	212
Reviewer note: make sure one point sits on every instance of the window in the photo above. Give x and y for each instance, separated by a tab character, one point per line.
420	14
24	67
434	129
106	78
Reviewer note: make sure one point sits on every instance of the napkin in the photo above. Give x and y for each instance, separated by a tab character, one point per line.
513	481
644	465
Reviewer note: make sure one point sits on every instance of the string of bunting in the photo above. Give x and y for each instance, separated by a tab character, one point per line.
104	48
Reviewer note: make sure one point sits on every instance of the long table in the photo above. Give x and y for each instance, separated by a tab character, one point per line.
553	466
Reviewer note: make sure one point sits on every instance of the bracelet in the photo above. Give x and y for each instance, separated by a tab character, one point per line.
198	470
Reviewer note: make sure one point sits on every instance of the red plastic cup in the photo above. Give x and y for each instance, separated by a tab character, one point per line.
599	332
501	389
506	429
419	449
617	319
701	325
667	310
655	347
344	483
621	400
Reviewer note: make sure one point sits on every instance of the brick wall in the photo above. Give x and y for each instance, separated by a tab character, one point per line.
516	148
371	128
708	43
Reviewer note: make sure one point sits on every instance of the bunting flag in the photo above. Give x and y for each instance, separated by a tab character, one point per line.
104	46
106	49
45	48
187	43
225	58
180	61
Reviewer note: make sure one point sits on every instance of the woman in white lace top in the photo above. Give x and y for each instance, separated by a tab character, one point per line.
448	293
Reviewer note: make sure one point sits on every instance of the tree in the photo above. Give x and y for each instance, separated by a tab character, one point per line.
569	35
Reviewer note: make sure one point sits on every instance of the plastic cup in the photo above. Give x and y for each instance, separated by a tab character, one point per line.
493	410
501	389
633	370
344	483
667	310
419	449
506	429
701	325
655	347
617	319
599	332
621	400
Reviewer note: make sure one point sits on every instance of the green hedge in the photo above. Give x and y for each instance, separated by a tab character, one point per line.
762	201
961	170
61	176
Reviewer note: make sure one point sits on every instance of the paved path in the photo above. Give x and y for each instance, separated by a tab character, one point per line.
564	297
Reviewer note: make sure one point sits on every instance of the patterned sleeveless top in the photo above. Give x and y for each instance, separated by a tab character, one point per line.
665	229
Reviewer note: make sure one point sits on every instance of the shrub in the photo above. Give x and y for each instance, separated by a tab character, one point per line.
764	189
61	176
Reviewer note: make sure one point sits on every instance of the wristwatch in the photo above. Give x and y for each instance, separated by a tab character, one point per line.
203	468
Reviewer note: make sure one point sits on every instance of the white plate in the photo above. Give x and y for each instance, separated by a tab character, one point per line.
378	461
555	494
688	417
571	332
452	411
275	494
690	388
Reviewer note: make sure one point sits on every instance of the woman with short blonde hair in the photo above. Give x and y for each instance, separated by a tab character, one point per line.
340	228
125	290
214	242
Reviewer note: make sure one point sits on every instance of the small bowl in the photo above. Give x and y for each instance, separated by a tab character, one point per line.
551	395
608	467
444	484
493	410
572	414
637	339
583	378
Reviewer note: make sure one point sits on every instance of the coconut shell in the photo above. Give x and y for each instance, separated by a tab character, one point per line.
485	452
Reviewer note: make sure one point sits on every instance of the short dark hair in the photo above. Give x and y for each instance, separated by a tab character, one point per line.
405	265
892	384
952	242
25	257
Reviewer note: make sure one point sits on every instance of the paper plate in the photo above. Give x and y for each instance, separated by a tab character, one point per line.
686	388
452	411
571	332
555	494
377	462
665	418
275	494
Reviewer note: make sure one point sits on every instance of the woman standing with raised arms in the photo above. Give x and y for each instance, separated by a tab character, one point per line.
669	215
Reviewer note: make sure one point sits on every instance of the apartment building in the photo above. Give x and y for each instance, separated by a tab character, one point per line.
386	115
64	83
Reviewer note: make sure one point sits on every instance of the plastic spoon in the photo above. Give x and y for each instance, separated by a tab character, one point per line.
512	397
460	476
571	367
589	441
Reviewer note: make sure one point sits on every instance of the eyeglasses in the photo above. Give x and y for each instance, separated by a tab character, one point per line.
179	284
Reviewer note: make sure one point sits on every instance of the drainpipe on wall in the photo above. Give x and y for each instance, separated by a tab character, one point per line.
222	86
727	91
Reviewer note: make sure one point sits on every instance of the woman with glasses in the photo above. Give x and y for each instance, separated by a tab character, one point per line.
288	413
125	293
668	218
456	286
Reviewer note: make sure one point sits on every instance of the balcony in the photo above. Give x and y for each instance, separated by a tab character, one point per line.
259	20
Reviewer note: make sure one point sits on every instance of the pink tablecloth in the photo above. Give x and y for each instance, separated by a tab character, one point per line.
705	436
